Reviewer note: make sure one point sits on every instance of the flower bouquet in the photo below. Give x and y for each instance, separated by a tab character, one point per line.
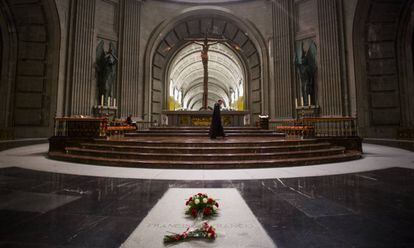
201	205
206	231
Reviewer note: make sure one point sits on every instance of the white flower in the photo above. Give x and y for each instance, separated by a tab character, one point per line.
215	208
205	200
197	201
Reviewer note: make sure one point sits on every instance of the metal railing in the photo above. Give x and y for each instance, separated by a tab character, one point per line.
94	126
144	125
318	126
80	126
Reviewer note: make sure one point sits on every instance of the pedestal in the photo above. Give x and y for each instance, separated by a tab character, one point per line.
104	111
307	111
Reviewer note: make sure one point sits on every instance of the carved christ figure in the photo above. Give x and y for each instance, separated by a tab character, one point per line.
205	43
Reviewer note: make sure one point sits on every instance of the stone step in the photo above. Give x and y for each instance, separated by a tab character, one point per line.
204	131
202	128
205	157
202	150
349	155
201	134
204	142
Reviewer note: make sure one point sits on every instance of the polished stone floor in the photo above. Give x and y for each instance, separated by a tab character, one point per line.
367	209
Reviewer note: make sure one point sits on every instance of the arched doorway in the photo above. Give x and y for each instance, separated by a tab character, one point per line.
29	83
226	78
172	37
405	48
384	95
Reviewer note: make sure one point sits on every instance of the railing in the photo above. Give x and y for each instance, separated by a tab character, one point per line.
405	133
143	125
318	126
6	134
95	126
80	126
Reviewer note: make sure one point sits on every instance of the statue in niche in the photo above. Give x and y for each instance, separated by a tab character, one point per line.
305	62
105	70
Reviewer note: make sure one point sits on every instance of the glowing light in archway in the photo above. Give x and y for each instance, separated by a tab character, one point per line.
226	78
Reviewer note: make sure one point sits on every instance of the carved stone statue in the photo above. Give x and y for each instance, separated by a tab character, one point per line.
305	62
105	69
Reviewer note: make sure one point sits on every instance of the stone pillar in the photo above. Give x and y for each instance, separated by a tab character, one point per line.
281	84
130	97
332	88
81	68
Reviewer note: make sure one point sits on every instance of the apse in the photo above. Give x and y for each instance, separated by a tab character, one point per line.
226	78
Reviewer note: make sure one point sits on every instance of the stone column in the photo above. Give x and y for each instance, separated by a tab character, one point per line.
81	68
332	88
130	97
281	84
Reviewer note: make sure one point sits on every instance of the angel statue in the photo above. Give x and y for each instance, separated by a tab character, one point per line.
305	62
105	69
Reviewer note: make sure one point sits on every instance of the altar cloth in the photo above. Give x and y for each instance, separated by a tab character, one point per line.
236	225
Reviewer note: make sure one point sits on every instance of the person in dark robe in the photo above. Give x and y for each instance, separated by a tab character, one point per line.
129	120
216	128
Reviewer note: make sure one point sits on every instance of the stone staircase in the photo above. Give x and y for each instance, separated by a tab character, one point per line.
203	132
190	148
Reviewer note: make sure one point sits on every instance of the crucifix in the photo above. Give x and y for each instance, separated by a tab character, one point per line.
205	42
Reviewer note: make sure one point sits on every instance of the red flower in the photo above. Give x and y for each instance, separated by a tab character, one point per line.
199	194
207	211
210	201
187	202
190	199
193	212
216	204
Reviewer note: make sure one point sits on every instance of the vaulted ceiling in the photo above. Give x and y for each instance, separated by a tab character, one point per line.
225	75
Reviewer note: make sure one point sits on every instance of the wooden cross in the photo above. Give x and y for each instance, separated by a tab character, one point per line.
206	42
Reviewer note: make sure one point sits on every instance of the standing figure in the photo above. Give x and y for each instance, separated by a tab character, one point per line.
105	69
216	128
306	64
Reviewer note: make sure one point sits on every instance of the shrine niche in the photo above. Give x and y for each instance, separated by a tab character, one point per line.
306	72
106	73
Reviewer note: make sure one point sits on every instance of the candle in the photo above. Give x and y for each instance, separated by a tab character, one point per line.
296	102
309	100
109	101
114	102
301	101
102	100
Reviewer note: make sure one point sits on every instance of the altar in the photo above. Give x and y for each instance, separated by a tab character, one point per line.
203	118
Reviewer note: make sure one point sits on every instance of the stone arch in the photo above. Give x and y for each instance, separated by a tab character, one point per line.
168	39
377	71
34	43
8	38
405	49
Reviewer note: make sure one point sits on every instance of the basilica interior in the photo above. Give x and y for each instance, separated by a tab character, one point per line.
108	107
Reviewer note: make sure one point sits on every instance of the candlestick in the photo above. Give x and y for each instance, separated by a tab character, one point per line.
109	101
296	103
309	100
301	101
114	102
102	100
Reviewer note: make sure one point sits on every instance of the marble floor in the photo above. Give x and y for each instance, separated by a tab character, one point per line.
347	207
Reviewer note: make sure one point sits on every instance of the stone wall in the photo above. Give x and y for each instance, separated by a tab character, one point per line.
49	57
382	109
276	23
30	71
